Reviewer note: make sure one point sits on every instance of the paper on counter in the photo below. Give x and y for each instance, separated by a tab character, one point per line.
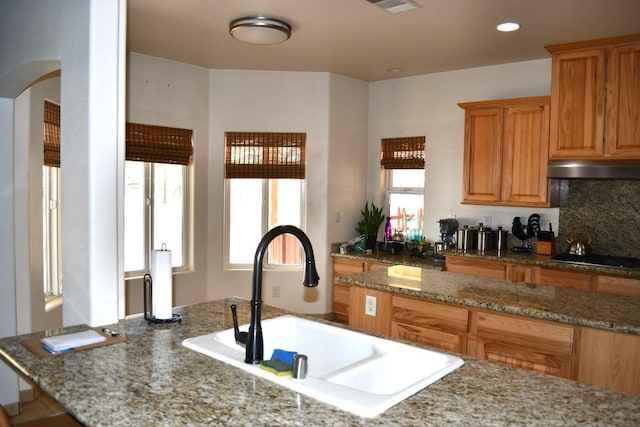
64	342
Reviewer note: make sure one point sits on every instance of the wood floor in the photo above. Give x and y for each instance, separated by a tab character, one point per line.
42	411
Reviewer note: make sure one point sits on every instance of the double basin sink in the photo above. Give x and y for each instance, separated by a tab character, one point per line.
355	372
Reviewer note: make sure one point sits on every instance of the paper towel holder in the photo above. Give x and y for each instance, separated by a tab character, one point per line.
148	309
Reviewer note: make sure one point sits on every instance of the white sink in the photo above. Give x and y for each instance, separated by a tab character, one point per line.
355	372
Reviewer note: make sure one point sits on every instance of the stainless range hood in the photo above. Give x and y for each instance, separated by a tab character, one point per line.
594	169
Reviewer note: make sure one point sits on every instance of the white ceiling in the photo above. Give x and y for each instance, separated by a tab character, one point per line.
358	39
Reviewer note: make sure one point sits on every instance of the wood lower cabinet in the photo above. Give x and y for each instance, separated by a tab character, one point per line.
536	345
610	360
563	278
617	285
475	267
378	323
437	325
342	267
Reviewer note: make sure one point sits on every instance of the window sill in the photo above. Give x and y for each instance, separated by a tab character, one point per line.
52	302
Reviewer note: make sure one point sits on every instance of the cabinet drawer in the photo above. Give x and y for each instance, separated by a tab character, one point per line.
347	266
617	285
564	278
476	267
426	314
371	266
534	334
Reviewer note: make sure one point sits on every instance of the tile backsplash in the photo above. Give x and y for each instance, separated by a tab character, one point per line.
607	209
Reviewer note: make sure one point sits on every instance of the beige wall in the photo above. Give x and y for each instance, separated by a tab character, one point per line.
428	105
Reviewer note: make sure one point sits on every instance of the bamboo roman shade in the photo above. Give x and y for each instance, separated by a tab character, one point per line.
159	144
265	155
403	153
51	134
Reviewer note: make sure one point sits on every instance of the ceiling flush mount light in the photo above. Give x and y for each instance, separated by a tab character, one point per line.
507	27
259	30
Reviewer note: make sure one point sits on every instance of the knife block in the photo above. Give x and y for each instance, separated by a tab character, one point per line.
546	243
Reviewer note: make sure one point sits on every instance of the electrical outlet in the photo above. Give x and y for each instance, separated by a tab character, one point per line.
275	291
487	221
370	305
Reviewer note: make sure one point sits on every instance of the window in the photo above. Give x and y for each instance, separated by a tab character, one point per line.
264	187
156	195
403	161
51	190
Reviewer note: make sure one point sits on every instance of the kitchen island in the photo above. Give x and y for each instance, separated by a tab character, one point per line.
151	379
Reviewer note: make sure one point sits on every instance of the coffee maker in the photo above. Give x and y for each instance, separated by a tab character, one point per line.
448	229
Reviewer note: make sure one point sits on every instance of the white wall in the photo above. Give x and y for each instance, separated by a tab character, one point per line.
29	155
85	39
167	93
427	105
276	102
347	166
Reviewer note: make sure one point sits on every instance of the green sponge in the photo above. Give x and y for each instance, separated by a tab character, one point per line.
277	367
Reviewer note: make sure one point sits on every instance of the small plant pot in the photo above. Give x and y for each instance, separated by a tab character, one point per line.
371	242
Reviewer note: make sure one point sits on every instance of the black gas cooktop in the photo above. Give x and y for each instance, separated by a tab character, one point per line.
595	259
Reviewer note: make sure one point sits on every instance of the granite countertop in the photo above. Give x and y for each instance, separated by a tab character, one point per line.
151	379
426	261
576	307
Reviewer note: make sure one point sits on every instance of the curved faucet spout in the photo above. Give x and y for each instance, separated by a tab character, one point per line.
255	345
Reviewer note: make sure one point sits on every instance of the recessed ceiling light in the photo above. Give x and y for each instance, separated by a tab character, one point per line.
394	70
259	30
507	27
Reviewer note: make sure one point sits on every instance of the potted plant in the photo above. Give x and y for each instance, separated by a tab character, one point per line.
372	219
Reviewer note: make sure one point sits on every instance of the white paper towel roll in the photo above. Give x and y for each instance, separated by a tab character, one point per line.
161	286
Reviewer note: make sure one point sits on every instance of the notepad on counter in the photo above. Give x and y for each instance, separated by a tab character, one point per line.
62	343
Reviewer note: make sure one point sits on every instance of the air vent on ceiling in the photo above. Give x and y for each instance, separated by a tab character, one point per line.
396	6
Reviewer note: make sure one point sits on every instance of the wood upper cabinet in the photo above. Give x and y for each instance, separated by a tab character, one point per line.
535	345
595	93
506	147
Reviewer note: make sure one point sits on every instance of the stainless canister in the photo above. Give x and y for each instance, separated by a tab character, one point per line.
484	238
500	238
466	238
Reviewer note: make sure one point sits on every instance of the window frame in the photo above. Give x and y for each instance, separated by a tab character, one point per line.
264	222
52	242
149	218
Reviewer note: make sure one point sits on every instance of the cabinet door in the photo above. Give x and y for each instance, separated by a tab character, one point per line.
610	360
578	99
429	323
482	170
524	343
475	267
622	124
341	267
526	151
378	322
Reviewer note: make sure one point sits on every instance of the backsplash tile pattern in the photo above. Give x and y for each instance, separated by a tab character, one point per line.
607	209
